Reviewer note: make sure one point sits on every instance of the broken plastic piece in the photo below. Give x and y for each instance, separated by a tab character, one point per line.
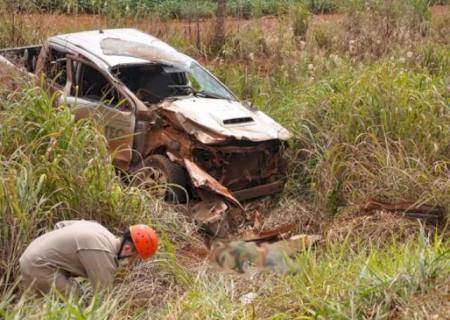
428	214
248	298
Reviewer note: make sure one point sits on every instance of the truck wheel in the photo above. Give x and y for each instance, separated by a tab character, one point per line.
170	178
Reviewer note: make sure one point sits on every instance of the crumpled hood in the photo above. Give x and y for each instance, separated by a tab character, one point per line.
228	119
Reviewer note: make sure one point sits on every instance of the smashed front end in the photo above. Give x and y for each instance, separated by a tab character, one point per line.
248	169
240	147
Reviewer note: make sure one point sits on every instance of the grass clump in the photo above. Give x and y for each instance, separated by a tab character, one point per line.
373	283
300	17
361	136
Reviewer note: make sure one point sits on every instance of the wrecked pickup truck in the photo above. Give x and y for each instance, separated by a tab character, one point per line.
167	119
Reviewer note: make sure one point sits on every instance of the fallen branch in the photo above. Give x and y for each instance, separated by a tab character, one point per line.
427	213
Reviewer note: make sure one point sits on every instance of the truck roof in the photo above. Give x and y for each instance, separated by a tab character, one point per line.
89	44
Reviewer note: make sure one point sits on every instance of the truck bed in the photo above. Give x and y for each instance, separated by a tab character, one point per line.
23	57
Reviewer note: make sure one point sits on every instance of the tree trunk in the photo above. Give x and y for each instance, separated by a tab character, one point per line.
219	35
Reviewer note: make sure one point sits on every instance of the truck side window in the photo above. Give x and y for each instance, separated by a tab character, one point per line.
92	85
56	67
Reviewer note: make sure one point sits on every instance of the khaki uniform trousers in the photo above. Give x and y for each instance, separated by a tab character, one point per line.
43	278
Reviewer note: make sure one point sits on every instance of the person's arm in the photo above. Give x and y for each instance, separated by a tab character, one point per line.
100	267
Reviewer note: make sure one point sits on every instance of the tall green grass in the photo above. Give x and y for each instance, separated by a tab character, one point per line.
407	280
189	9
363	135
373	284
336	281
52	169
378	131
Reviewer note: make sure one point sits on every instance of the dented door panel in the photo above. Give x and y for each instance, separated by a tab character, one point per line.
118	122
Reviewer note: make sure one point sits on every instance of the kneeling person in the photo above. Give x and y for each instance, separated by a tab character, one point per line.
82	249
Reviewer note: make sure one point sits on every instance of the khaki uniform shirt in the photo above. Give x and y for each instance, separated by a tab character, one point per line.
79	248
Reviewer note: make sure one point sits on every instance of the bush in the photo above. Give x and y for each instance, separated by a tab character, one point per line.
300	17
325	35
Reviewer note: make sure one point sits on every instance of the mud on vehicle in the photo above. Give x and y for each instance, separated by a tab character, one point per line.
166	118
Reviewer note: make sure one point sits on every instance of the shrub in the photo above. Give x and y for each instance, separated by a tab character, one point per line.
246	45
325	35
300	17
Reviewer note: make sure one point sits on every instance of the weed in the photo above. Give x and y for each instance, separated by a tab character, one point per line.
300	17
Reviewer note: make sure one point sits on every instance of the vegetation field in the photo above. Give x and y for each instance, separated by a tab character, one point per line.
365	90
167	9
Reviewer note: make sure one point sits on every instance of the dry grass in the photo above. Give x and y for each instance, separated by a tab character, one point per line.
286	211
10	80
351	225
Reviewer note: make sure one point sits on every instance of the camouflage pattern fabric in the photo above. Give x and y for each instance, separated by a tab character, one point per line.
235	255
240	255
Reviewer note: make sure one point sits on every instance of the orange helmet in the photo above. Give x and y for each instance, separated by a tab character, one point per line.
145	240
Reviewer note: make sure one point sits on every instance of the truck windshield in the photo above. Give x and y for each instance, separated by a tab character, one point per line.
168	73
207	83
153	83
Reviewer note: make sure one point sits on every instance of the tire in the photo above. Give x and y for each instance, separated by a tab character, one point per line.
173	175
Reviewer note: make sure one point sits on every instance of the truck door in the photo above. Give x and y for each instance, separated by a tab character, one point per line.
92	93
